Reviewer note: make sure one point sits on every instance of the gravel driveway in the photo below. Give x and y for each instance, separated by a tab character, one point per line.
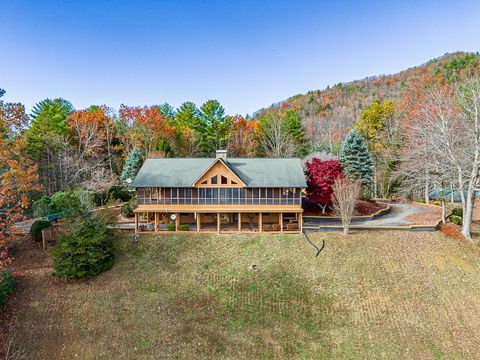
398	216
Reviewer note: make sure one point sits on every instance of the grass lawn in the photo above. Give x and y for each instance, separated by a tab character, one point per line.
369	295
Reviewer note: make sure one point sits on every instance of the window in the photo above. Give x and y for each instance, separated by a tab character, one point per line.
224	180
213	180
204	182
233	182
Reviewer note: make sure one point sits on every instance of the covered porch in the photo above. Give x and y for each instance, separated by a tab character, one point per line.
152	221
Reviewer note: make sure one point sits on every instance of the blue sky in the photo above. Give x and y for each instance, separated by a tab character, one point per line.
246	54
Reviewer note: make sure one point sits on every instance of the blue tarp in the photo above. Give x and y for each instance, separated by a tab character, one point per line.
436	194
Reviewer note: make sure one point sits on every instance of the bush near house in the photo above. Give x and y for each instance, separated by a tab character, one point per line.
120	193
37	227
184	227
458	212
457	220
171	227
85	249
127	209
41	207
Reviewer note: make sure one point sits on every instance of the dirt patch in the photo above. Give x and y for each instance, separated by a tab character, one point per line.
427	215
363	208
452	230
476	210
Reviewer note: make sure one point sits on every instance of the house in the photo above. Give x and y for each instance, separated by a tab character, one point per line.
219	195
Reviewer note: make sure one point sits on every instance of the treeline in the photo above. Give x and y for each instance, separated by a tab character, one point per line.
57	148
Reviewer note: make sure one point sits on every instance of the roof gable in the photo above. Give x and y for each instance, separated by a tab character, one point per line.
220	170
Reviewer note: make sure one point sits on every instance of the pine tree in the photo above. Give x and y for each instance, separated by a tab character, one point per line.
355	159
293	125
131	166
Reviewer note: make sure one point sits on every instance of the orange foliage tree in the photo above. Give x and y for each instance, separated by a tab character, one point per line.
91	134
242	141
144	127
18	176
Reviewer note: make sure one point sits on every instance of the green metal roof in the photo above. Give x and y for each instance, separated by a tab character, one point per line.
257	172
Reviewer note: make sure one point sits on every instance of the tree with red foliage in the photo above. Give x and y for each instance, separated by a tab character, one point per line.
321	176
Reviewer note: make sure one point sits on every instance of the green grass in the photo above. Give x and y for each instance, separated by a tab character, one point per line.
368	295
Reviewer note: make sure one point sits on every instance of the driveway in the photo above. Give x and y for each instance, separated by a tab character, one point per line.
400	214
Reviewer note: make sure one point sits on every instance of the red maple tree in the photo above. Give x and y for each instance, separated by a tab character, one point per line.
321	176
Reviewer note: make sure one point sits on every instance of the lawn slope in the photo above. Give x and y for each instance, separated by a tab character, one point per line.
375	295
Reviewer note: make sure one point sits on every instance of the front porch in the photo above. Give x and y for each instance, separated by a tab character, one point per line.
218	222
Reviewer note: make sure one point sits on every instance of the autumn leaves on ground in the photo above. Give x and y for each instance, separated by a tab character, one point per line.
369	295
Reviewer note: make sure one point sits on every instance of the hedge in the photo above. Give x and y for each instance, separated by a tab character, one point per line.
37	227
6	285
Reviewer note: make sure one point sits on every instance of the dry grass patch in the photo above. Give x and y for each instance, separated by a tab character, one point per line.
370	295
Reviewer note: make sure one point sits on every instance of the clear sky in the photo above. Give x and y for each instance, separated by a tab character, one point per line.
246	54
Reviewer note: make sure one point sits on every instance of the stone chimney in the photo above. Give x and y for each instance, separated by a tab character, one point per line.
221	154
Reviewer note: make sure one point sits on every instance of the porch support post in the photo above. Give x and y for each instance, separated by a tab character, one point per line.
218	223
136	223
156	221
239	222
177	221
280	220
260	222
198	222
300	222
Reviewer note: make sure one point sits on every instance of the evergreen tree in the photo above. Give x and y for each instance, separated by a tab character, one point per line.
132	165
49	122
293	126
214	127
355	158
168	111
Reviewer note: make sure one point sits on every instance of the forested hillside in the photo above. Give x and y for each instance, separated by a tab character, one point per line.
328	114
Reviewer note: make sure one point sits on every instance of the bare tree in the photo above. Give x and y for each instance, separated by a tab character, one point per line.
445	135
276	142
344	199
468	97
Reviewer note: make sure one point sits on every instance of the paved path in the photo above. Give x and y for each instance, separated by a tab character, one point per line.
396	217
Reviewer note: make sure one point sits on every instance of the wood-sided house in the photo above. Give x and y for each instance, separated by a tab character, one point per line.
219	195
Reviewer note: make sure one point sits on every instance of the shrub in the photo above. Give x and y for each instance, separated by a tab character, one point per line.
127	209
457	220
458	211
120	193
6	285
65	201
37	227
171	226
184	227
84	250
41	207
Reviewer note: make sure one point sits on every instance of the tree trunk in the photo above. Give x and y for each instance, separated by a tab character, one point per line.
467	214
444	211
452	194
427	191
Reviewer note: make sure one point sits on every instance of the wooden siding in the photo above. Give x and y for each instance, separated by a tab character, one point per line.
221	172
